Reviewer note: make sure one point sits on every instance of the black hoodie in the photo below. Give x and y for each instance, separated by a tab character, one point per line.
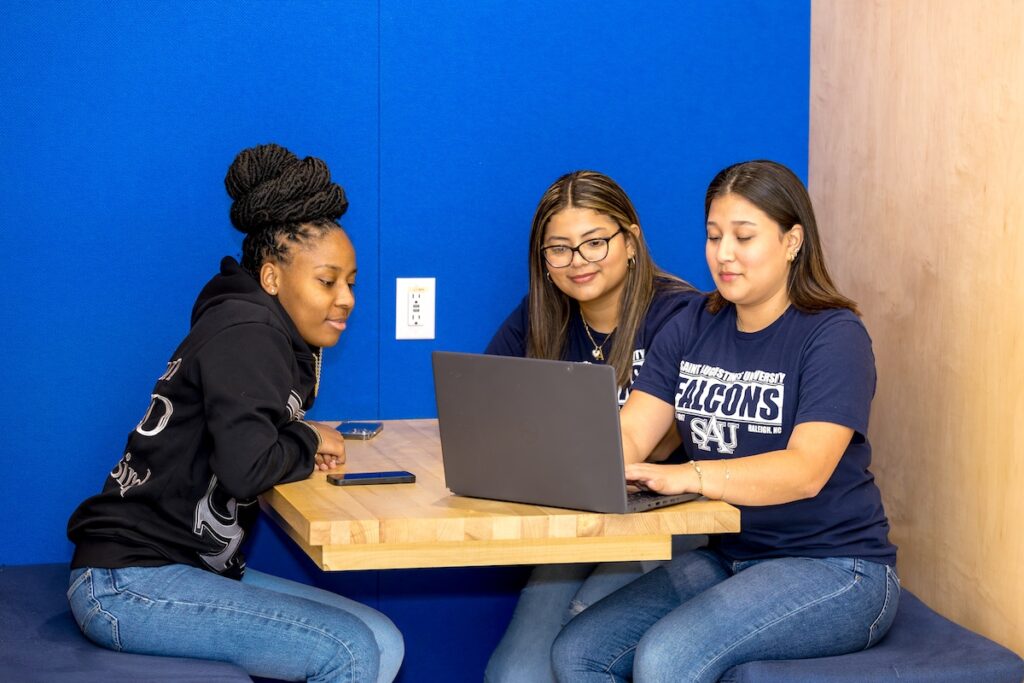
223	425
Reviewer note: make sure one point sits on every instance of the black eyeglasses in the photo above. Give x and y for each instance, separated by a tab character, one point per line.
593	250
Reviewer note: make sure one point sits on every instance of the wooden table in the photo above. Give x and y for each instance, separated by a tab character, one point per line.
394	526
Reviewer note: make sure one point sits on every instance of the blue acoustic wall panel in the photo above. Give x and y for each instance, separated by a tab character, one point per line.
484	104
118	123
444	121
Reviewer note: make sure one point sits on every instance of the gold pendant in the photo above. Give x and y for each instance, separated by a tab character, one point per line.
597	353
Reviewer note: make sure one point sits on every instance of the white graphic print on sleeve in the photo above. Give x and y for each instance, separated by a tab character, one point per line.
295	411
220	524
161	409
716	402
126	476
638	362
172	369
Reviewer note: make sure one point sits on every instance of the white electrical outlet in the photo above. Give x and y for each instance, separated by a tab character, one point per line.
414	308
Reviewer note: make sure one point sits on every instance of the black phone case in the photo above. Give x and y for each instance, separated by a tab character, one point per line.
342	480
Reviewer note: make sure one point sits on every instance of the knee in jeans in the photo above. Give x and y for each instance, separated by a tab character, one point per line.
503	670
566	652
653	657
391	647
575	607
352	654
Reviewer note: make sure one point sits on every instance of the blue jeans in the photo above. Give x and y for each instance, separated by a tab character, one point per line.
699	615
269	626
555	594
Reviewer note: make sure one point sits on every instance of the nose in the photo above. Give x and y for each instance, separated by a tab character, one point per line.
346	298
577	255
724	251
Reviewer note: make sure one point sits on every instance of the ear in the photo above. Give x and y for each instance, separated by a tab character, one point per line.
270	278
634	230
794	240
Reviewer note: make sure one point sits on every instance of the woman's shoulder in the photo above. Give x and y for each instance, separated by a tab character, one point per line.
834	334
831	321
671	296
510	337
683	313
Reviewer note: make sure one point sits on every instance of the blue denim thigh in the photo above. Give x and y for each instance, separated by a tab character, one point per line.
603	581
555	594
524	653
599	644
788	608
182	611
388	637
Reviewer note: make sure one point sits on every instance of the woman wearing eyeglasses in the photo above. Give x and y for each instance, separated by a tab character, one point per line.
595	296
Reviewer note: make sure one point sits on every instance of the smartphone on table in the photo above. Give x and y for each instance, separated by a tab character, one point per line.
352	429
356	478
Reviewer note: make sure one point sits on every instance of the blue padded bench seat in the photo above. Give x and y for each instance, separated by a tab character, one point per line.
921	647
39	640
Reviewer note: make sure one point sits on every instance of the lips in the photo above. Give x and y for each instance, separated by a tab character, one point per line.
727	277
582	279
338	324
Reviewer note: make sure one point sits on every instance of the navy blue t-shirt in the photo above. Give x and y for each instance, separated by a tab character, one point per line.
737	394
511	338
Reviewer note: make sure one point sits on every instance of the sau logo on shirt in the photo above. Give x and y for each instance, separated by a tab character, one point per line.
722	433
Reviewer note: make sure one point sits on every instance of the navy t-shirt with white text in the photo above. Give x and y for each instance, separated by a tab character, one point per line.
737	394
511	338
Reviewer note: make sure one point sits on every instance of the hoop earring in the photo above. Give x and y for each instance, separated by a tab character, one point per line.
547	274
631	262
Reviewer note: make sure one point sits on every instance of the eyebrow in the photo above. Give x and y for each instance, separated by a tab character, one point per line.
584	235
737	223
337	269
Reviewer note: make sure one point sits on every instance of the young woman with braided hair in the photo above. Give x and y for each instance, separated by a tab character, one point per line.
157	567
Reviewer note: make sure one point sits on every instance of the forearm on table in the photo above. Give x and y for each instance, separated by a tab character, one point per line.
797	472
769	478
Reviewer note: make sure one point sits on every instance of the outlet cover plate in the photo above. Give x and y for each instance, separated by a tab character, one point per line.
414	307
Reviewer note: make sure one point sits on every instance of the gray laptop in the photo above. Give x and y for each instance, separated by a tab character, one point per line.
534	431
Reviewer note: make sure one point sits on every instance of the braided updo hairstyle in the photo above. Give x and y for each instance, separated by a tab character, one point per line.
280	200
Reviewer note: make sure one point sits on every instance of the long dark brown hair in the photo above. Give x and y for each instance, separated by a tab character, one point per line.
550	308
778	192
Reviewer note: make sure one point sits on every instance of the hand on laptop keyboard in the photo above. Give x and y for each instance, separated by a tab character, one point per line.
636	487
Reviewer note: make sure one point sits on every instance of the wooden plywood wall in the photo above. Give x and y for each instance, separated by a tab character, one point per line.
917	174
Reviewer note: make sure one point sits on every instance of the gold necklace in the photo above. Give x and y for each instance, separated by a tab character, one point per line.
598	352
317	361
